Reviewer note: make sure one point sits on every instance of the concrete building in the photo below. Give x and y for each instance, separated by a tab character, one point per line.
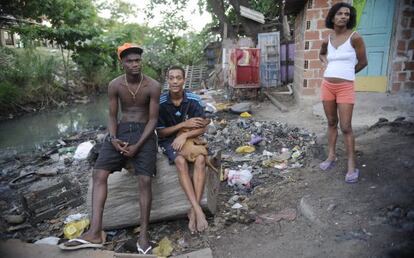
387	27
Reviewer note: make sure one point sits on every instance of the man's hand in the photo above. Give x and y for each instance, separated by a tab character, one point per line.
195	122
119	145
131	150
179	142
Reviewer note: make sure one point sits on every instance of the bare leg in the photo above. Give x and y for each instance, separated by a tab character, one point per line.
188	188
199	180
99	193
145	199
345	120
331	113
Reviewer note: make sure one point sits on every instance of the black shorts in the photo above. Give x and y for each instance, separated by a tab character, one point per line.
144	161
168	150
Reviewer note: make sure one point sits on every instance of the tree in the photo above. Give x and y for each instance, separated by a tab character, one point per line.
226	13
71	23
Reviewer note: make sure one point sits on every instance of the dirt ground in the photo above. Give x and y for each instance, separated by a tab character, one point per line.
327	217
373	218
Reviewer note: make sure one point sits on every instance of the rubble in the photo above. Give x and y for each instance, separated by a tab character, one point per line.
53	183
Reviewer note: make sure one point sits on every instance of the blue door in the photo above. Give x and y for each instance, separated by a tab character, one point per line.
375	27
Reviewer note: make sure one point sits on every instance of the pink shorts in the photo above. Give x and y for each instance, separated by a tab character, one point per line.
342	92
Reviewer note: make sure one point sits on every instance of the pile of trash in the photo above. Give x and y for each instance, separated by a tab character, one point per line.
258	146
255	155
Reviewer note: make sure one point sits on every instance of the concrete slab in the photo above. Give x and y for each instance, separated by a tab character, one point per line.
203	253
18	249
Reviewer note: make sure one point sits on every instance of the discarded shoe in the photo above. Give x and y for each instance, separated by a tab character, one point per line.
327	164
352	177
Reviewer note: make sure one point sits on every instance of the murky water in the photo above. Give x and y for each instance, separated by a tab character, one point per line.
28	132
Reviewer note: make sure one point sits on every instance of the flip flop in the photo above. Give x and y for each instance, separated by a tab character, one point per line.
83	243
327	164
142	251
352	177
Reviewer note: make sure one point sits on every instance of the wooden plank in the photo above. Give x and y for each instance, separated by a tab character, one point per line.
45	203
169	200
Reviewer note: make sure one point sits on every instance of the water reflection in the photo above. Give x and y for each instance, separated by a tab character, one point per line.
30	131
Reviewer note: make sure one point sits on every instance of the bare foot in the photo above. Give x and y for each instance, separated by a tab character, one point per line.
191	221
143	240
201	221
88	236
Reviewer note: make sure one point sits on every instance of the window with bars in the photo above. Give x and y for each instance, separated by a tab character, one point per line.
310	3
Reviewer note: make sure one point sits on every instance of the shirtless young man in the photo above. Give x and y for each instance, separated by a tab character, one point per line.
132	138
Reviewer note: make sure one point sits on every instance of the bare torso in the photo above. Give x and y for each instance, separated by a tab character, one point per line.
134	109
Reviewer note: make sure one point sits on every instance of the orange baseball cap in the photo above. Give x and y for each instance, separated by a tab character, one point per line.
131	46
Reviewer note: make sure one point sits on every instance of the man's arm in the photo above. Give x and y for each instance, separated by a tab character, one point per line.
180	140
195	122
155	92
358	44
113	118
113	109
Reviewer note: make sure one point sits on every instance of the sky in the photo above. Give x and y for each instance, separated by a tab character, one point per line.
195	21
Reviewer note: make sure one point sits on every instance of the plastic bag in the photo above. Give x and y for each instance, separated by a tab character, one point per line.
245	149
245	115
75	224
240	178
83	150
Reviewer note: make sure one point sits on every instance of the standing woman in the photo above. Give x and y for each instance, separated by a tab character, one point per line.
343	55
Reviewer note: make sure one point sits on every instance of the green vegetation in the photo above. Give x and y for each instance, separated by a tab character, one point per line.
86	59
28	77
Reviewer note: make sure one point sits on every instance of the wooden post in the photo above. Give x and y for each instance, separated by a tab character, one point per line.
168	202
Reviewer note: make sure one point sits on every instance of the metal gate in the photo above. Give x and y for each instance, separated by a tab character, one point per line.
269	44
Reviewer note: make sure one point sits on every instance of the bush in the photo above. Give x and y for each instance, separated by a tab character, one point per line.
9	97
28	76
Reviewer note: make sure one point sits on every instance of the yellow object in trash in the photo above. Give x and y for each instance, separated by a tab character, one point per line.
222	106
245	115
164	248
245	149
75	228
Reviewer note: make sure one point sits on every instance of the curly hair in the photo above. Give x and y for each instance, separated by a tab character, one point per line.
334	9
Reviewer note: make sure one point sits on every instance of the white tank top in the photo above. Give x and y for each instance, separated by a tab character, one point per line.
341	60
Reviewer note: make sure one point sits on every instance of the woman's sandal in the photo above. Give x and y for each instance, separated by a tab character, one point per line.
327	164
351	178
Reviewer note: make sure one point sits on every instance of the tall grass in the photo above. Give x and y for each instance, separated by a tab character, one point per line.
28	77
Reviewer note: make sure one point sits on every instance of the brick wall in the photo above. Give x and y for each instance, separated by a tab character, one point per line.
402	64
309	33
299	46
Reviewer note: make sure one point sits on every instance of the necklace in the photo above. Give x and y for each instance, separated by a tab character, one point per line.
136	91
